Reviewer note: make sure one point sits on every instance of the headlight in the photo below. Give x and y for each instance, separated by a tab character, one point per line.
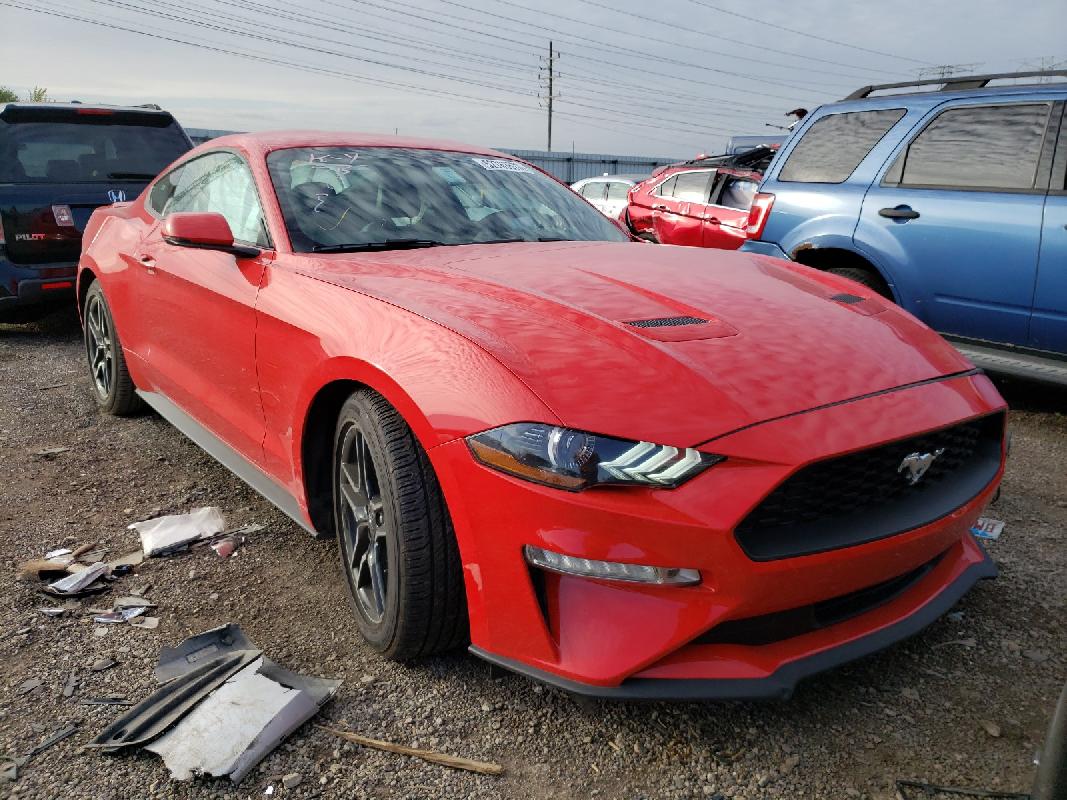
575	460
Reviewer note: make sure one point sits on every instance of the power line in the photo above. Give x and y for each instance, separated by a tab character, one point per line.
765	24
674	43
680	124
327	71
556	32
313	20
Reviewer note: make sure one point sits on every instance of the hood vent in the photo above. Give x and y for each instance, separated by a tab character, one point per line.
847	299
667	322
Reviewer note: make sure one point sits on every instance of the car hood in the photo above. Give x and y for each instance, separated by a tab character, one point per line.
723	340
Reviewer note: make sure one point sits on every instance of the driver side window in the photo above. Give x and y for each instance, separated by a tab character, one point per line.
221	182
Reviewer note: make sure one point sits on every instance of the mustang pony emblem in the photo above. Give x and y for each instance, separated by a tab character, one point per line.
917	464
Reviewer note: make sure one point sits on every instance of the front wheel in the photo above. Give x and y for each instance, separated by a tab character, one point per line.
113	387
398	552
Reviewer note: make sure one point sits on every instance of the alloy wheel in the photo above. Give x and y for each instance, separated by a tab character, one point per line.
99	346
364	531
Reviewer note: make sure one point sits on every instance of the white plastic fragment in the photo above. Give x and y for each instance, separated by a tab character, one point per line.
62	551
212	737
174	531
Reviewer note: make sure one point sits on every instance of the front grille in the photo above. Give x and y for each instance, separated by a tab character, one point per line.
865	496
782	625
666	322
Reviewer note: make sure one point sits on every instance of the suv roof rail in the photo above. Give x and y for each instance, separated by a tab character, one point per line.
956	83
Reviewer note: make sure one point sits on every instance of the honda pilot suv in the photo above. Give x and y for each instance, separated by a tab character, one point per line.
58	162
950	200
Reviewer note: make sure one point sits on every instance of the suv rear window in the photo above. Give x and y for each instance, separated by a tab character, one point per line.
989	147
87	146
835	145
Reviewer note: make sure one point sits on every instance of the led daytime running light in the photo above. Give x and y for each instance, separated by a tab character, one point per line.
610	570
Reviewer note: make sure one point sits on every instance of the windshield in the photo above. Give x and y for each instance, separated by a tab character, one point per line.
337	198
77	152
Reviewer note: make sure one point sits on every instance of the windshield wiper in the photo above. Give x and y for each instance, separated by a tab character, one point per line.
388	244
132	176
514	239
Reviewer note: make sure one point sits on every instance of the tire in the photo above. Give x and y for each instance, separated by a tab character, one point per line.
398	552
112	386
864	277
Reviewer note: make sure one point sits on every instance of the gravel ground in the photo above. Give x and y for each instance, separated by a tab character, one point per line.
965	703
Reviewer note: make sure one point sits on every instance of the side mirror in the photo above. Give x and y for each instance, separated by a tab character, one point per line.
206	230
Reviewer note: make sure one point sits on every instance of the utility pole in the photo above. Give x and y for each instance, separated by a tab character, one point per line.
947	70
549	76
1045	63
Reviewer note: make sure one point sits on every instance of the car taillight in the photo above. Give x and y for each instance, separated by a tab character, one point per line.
758	213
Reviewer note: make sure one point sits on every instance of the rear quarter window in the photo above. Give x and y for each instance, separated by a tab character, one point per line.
832	148
976	147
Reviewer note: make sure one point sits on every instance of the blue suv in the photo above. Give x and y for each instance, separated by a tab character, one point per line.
950	200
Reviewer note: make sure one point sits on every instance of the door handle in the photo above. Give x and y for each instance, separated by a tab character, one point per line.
659	208
147	261
900	212
713	221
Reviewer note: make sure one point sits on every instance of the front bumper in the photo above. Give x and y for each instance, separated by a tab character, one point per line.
624	640
781	683
763	249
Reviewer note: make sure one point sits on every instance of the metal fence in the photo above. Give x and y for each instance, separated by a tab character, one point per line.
571	167
568	167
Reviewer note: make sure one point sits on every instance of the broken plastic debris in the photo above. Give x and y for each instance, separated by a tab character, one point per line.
62	551
173	532
988	528
132	601
79	581
225	547
119	616
221	709
53	612
128	560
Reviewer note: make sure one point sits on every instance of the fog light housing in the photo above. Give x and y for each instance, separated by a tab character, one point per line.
609	570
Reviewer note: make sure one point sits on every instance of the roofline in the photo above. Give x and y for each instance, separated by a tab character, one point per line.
958	83
146	108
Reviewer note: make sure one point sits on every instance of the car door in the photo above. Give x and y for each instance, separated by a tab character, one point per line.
200	349
956	218
727	215
594	192
1048	327
679	219
616	198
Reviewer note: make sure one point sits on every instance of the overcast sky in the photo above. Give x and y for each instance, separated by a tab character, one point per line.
670	78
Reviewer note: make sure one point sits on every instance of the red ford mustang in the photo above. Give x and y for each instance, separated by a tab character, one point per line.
624	470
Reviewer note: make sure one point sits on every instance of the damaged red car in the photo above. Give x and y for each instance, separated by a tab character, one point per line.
627	471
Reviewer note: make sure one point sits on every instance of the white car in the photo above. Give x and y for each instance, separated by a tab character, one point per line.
607	193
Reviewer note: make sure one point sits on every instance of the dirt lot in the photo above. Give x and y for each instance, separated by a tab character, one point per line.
965	703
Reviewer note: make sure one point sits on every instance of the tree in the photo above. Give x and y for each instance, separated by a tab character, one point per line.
39	95
7	96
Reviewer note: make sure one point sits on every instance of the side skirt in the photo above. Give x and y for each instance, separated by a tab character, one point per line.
229	458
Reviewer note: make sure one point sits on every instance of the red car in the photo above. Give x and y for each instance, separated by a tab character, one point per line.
624	471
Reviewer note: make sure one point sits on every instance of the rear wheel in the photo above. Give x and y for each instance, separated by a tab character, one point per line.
398	552
865	277
113	388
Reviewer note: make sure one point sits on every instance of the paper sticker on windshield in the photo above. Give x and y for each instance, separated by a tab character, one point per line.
505	164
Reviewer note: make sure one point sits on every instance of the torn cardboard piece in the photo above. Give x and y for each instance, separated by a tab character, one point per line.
988	528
